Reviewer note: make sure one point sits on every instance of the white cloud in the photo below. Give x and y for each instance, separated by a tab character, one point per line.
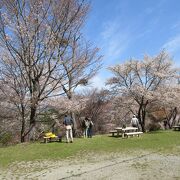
96	82
173	45
114	40
149	10
109	29
176	26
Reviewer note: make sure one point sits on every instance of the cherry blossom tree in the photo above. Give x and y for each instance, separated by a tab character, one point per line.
40	41
15	91
141	80
168	100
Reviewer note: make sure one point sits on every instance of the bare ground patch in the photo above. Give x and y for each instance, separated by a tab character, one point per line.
139	165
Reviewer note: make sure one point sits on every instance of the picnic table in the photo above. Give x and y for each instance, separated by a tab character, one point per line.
119	130
128	131
176	128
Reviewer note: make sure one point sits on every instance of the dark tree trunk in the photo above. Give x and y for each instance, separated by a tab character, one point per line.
143	119
23	130
140	117
33	115
23	124
32	121
142	114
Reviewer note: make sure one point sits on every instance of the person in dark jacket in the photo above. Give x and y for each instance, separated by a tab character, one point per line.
90	126
68	123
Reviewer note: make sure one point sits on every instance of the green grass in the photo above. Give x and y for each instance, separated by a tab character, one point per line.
161	141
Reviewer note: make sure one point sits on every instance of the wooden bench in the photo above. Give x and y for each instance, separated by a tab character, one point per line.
176	128
133	133
50	136
113	132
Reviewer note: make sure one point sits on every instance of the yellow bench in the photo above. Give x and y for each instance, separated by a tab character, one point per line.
49	136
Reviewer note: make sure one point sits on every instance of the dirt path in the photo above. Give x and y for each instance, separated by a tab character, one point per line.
140	166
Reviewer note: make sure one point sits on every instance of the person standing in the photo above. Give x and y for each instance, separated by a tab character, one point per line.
85	126
89	131
68	122
134	122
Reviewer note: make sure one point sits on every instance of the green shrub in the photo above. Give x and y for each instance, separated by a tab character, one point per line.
6	138
153	126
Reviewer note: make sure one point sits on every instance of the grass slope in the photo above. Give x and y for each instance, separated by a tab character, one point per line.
162	141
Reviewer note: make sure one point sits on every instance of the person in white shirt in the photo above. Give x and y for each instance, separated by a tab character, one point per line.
134	122
85	125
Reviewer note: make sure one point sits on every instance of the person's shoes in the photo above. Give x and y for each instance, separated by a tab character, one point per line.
71	141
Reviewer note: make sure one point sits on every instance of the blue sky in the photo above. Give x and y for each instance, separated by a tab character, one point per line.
131	28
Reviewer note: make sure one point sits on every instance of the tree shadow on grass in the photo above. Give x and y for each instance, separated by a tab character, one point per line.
114	136
156	132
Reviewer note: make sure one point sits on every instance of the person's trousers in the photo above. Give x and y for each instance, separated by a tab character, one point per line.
89	133
69	134
85	132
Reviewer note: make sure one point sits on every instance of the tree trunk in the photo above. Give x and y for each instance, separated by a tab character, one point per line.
23	124
143	119
142	116
69	95
23	130
32	121
33	115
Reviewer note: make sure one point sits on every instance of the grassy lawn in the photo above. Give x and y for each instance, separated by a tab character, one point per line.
161	141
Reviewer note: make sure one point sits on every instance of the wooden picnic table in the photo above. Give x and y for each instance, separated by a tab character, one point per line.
123	131
176	128
119	130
